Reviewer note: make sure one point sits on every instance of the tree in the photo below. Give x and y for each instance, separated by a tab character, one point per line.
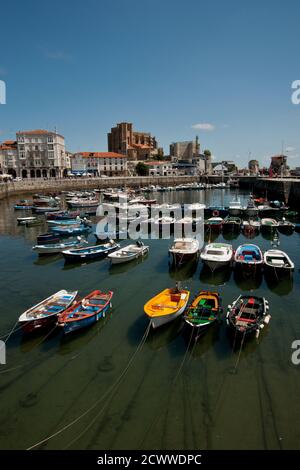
142	169
207	153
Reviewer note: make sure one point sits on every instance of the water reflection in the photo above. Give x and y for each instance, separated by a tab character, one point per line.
246	282
184	272
218	277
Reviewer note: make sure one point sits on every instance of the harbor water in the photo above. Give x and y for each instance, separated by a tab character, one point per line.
117	386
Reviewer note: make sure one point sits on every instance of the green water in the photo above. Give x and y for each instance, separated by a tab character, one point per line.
208	396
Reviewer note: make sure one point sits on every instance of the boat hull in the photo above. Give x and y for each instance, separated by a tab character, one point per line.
70	327
40	323
158	321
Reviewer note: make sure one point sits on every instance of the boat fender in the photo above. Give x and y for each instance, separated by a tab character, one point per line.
215	213
267	319
261	326
257	333
227	321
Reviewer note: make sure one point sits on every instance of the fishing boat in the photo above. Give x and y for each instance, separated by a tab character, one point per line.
184	250
214	224
291	214
216	211
217	255
68	222
129	253
64	230
235	207
248	314
31	222
251	209
90	252
45	209
251	227
62	215
46	238
285	226
166	306
249	257
23	205
51	248
203	312
268	225
45	313
24	220
83	202
86	311
278	262
232	224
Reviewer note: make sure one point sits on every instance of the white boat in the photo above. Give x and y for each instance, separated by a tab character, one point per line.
235	207
217	255
25	220
278	261
51	248
268	225
184	250
129	253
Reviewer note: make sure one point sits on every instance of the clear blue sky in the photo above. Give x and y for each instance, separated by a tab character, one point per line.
164	65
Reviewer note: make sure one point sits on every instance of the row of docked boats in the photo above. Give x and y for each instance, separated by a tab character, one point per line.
249	227
247	257
247	314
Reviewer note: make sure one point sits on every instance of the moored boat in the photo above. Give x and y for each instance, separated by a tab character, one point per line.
51	248
45	313
251	209
248	314
46	238
251	227
232	224
203	312
166	306
268	225
214	224
285	226
64	230
217	255
86	312
184	250
278	262
24	220
235	207
249	257
90	252
129	253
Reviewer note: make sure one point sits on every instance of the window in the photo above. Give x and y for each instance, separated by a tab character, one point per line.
50	147
50	138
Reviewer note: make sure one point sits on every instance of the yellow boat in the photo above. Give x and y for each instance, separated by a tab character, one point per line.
166	306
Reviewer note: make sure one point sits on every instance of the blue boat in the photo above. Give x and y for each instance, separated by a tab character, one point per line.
249	257
90	252
64	230
86	312
59	223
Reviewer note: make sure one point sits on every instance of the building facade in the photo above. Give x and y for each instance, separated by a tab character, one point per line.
186	150
161	168
9	158
99	163
41	154
253	167
135	145
279	166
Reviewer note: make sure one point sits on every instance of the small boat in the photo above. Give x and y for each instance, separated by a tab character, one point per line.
217	255
251	209
64	230
62	215
249	257
232	224
268	225
248	314
214	224
216	211
251	227
291	214
166	306
50	248
90	252
45	313
83	202
86	312
235	207
24	220
285	226
184	250
203	312
23	205
46	238
277	262
129	253
32	221
45	209
68	222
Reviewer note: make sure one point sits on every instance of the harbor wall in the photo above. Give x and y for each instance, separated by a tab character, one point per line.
286	189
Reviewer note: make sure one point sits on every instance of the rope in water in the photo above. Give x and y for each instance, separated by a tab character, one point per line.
107	393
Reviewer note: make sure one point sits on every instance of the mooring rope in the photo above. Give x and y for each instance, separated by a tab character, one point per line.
108	392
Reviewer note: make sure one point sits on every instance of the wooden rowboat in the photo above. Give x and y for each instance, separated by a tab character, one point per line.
166	306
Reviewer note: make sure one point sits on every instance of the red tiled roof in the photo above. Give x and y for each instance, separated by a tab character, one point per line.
101	155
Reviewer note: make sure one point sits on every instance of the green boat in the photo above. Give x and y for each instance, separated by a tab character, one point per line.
203	312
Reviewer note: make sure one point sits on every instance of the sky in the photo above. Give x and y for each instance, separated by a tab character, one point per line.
219	70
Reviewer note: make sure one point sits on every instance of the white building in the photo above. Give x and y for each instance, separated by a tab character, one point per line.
8	158
41	153
99	163
161	168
